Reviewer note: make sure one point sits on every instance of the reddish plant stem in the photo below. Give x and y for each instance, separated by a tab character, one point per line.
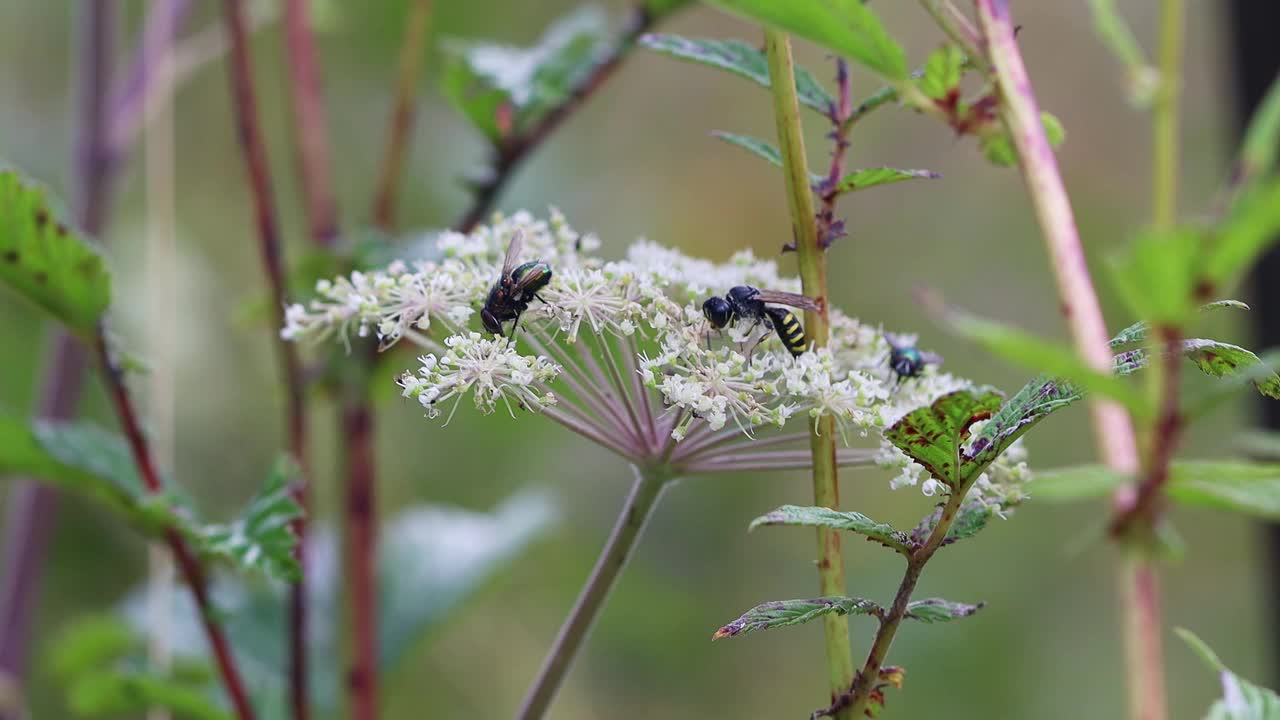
361	535
129	100
512	151
253	146
412	47
839	115
31	506
311	126
192	572
1144	508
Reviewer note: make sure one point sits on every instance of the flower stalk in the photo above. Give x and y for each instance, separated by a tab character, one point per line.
412	47
812	263
639	507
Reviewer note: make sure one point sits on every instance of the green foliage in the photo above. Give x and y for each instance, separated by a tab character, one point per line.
1156	275
111	693
936	610
933	436
871	177
503	90
431	561
997	147
846	27
757	147
1056	359
781	613
740	59
1246	233
659	8
1261	139
88	643
1247	488
1137	332
89	461
837	520
1220	359
942	73
1241	699
47	262
1035	401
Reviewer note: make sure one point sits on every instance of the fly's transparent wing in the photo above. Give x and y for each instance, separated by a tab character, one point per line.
794	300
513	254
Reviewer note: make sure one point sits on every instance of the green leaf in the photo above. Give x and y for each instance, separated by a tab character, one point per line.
782	613
1260	444
871	177
659	8
46	261
997	147
740	59
936	610
262	537
759	148
933	436
1157	275
504	90
1241	699
942	72
972	517
1137	332
846	27
1220	359
1247	488
836	520
431	561
1115	33
1261	140
1053	358
1053	130
111	693
1247	232
89	643
1035	401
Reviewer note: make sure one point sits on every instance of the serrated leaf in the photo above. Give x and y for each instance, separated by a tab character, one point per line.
1241	699
942	72
431	560
933	435
973	516
1053	358
1137	332
503	90
782	613
871	177
262	537
936	610
46	261
846	27
836	520
740	59
1035	401
1219	359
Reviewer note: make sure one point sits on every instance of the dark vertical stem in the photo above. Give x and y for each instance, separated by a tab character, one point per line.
134	92
512	152
190	568
254	149
311	127
361	535
31	507
1256	58
412	47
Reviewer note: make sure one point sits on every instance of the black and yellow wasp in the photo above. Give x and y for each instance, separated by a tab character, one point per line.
516	287
747	304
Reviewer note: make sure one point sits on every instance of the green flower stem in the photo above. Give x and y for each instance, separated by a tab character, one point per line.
626	531
1164	115
813	276
1113	428
870	672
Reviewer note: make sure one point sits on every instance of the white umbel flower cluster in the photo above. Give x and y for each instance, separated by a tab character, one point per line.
620	352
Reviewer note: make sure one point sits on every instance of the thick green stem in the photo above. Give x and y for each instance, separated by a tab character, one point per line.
1164	115
813	275
626	531
870	672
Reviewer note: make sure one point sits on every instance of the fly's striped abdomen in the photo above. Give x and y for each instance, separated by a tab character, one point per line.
789	329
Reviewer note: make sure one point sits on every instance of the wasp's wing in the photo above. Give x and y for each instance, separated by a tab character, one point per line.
513	254
794	300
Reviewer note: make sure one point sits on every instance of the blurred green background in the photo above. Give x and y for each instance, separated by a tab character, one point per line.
638	160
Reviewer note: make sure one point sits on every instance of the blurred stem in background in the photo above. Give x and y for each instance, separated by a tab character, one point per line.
1256	65
1112	426
400	133
253	147
812	261
31	507
161	224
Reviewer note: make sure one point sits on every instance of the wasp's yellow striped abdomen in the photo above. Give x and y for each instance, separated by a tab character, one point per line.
789	329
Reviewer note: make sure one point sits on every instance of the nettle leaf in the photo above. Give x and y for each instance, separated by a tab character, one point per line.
755	146
1034	402
933	436
1247	488
836	520
111	693
1078	482
972	517
1262	139
936	610
1241	699
262	538
1220	359
846	27
782	613
431	561
46	261
1247	232
740	59
1137	332
871	177
998	149
942	72
503	90
1053	358
1157	275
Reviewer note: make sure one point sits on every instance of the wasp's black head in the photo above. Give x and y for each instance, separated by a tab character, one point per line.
717	311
